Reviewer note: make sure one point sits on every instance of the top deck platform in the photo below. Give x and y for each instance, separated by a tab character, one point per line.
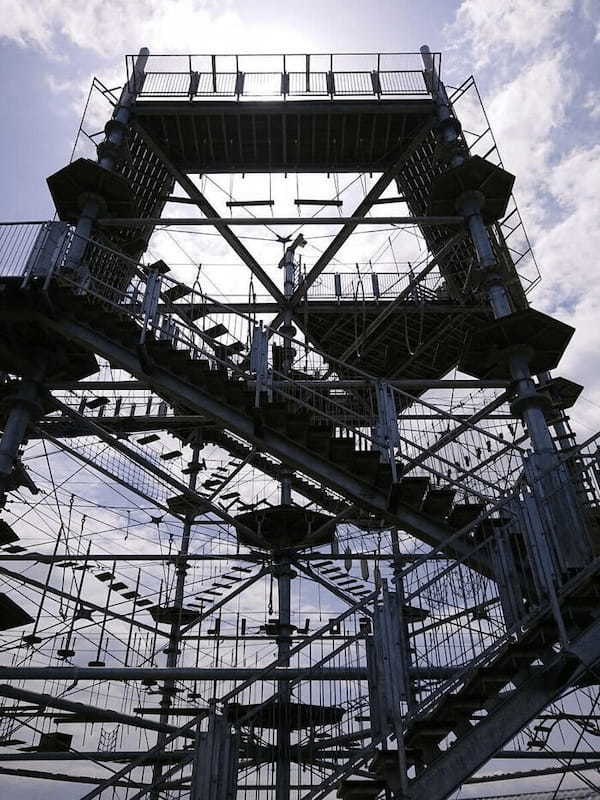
302	113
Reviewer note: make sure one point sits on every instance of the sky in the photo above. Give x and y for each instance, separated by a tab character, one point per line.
536	63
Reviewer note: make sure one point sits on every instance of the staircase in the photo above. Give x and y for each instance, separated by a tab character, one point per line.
472	716
323	436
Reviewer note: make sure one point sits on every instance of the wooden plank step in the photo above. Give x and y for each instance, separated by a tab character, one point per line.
230	349
412	490
170	455
438	502
464	513
215	331
152	437
366	464
176	292
341	449
317	438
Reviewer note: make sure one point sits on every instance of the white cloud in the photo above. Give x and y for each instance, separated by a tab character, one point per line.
110	28
525	115
592	103
568	247
516	25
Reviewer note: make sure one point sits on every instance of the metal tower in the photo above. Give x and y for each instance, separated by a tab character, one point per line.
285	527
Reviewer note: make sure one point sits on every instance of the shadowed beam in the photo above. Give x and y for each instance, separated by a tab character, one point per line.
207	209
93	713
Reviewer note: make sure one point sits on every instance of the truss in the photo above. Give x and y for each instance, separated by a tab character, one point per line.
325	535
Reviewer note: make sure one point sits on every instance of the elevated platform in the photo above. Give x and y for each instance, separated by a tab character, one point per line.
341	135
420	343
273	714
288	526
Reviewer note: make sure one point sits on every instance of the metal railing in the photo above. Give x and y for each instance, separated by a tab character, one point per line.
377	285
198	77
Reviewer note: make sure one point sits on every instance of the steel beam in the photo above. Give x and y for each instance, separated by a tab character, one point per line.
91	712
190	188
207	673
221	223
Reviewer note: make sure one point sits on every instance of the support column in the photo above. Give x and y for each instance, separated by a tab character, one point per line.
108	152
26	406
470	204
172	650
284	574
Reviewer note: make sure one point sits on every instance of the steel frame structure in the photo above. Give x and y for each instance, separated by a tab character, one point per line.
448	523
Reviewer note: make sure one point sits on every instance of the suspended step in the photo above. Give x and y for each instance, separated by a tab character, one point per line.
141	603
97	402
385	200
229	495
215	331
171	454
148	439
230	349
248	203
176	292
14	548
212	484
104	576
313	202
117	586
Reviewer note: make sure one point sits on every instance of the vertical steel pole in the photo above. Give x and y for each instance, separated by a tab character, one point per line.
174	632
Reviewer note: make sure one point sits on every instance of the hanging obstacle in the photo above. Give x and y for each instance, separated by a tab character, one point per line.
314	202
248	203
387	200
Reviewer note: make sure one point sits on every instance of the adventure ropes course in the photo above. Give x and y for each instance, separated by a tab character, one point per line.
291	504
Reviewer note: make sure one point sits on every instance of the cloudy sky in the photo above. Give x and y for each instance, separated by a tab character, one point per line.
536	62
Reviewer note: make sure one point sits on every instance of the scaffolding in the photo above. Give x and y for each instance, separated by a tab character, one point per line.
308	523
